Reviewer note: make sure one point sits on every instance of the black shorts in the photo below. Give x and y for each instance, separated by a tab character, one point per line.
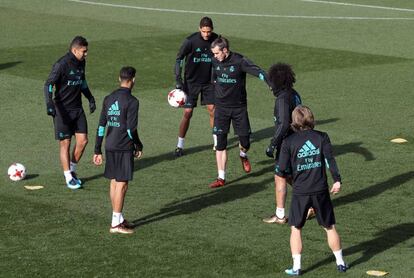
322	204
238	116
119	165
193	90
69	122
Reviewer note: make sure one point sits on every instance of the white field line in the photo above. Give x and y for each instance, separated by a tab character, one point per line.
359	5
238	14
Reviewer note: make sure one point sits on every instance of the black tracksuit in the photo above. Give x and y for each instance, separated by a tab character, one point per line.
119	116
197	55
304	155
68	78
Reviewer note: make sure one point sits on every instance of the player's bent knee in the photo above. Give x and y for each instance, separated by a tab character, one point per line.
244	143
221	142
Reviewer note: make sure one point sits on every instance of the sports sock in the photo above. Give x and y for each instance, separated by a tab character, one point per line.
121	218
222	174
280	212
73	166
180	143
339	258
243	154
215	140
68	175
116	218
296	261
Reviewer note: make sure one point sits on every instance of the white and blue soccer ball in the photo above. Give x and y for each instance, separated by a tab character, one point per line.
177	98
16	172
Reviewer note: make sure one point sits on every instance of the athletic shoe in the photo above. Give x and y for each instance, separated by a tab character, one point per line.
217	183
342	268
127	224
311	214
292	272
178	152
274	219
76	178
246	164
121	229
73	184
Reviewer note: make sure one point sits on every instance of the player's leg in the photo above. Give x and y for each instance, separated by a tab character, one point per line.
191	102
326	218
280	200
221	128
208	99
296	251
241	125
81	136
117	192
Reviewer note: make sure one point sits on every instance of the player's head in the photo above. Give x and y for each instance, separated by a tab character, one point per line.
220	48
281	75
302	118
206	27
79	47
127	76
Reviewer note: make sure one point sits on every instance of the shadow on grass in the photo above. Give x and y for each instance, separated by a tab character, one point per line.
196	203
31	176
374	190
384	240
9	65
353	148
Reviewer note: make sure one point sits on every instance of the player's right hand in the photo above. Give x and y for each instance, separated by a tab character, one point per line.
51	110
179	85
137	154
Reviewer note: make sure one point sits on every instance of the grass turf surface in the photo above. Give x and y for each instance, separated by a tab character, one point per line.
355	74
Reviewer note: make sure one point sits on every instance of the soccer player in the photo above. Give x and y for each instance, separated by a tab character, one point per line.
120	117
196	53
305	154
229	76
68	80
282	78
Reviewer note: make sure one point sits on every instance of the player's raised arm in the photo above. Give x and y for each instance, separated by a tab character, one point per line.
249	67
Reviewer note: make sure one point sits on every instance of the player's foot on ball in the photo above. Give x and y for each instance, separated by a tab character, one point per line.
274	219
246	164
311	214
178	152
73	184
76	178
292	272
342	268
217	183
121	229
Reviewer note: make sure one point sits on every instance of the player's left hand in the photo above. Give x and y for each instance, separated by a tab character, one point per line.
270	151
92	106
336	187
138	154
97	159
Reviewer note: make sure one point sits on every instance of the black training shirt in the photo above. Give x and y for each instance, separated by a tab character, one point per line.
197	55
229	77
305	154
286	100
119	116
68	78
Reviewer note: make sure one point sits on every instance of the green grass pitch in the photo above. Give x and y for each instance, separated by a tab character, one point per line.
354	71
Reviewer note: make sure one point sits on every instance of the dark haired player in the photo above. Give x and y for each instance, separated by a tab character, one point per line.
305	155
120	117
68	81
195	52
229	76
282	77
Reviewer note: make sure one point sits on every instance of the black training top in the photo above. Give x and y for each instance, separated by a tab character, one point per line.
305	154
120	116
286	100
68	78
229	77
197	55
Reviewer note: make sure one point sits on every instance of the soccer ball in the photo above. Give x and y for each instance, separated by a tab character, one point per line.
16	172
177	98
